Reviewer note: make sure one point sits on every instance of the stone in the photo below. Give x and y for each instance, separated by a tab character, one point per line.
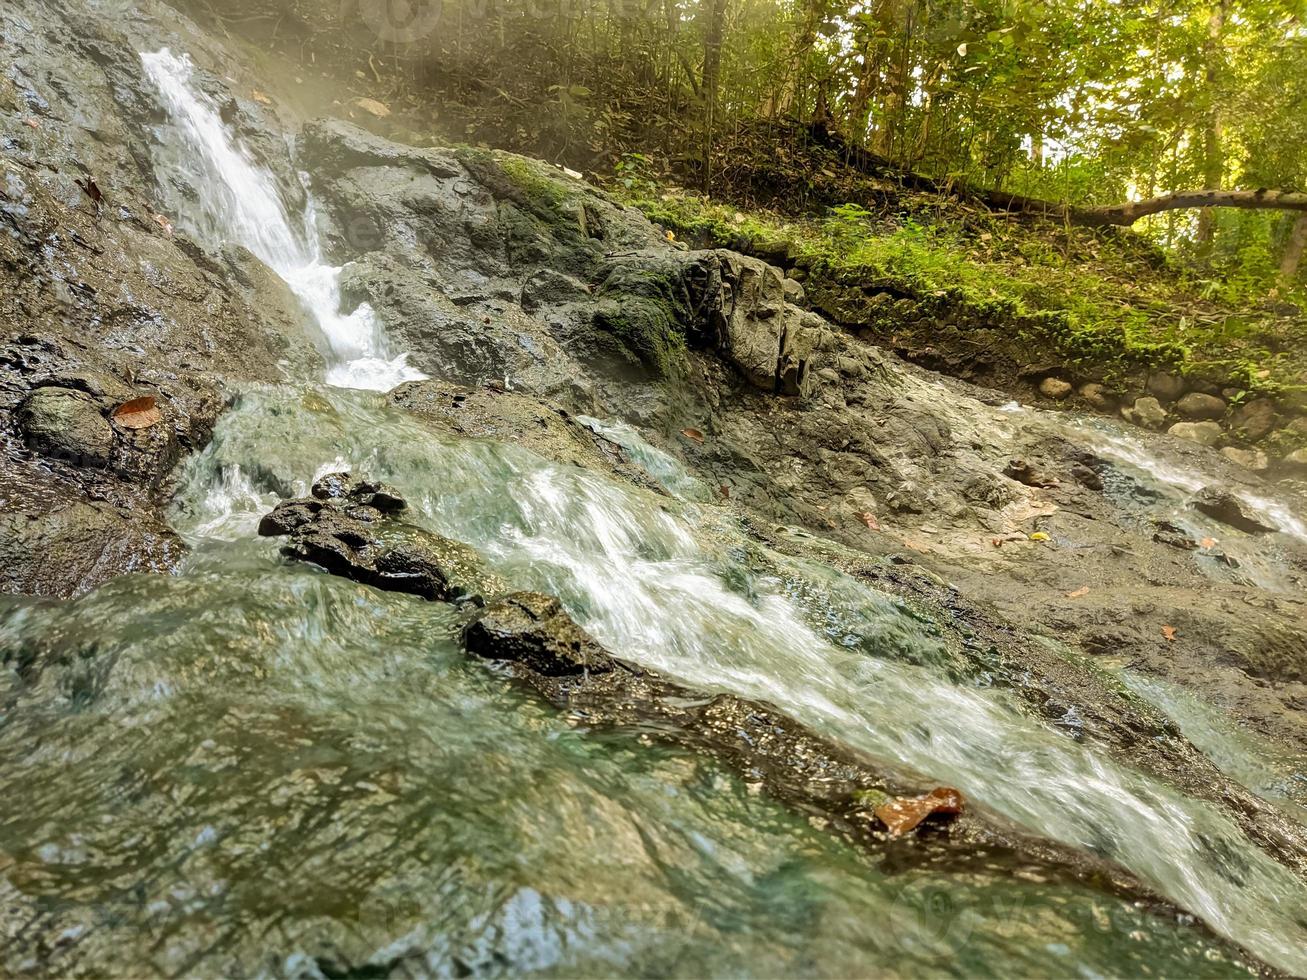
1147	412
1249	459
1255	419
355	490
359	541
533	630
67	425
1054	388
1296	462
1197	405
1229	509
794	294
1023	472
1164	386
1097	396
1203	433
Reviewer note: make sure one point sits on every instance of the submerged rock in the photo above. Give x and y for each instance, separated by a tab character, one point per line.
532	629
1229	509
347	527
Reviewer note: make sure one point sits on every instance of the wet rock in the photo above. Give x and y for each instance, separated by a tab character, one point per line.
1164	386
1197	405
67	425
350	536
1087	477
549	287
1203	433
1024	472
533	629
1255	419
346	486
1229	509
1174	536
1097	396
1147	412
1250	459
1055	388
1296	462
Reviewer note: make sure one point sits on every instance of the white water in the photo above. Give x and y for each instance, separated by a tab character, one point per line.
637	575
239	203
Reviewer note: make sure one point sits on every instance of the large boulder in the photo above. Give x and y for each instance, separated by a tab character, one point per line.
1203	433
1255	419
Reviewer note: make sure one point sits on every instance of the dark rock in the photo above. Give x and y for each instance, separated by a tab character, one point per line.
1174	536
1228	509
533	629
355	490
358	541
1164	386
1197	405
1023	472
1087	477
1255	419
67	425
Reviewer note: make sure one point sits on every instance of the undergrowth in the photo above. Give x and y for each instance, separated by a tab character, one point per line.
1108	302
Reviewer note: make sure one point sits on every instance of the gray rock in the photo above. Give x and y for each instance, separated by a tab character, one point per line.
1203	433
794	294
1296	461
534	630
66	425
1197	405
1164	386
1146	411
1054	388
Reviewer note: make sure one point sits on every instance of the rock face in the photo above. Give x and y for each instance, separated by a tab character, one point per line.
533	630
348	527
1197	405
101	302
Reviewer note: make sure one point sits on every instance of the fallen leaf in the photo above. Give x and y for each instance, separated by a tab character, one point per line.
91	189
139	413
904	813
163	223
260	97
1208	542
373	107
1039	536
1169	633
869	519
996	542
671	236
32	123
694	434
724	490
1083	590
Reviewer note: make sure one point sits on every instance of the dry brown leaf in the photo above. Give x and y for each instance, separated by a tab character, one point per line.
1083	590
32	123
694	434
904	813
724	490
139	413
163	223
869	519
260	97
1169	633
1208	542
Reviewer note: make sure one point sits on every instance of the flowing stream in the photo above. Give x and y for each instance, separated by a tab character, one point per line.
252	762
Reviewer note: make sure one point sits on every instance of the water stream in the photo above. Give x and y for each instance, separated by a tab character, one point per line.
257	762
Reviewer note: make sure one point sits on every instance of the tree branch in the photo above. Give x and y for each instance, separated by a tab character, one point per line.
1129	213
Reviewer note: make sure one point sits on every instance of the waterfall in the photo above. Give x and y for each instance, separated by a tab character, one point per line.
238	202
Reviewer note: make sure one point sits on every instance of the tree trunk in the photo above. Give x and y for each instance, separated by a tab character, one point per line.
1213	156
1293	251
1128	214
712	68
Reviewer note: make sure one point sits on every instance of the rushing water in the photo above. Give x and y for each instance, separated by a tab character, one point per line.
255	767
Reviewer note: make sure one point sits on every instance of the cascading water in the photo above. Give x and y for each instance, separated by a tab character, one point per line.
267	769
238	202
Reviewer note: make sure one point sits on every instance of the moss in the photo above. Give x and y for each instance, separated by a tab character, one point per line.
530	178
648	332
